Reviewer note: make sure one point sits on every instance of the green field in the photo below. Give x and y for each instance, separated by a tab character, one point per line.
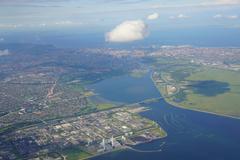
226	103
75	153
182	74
104	106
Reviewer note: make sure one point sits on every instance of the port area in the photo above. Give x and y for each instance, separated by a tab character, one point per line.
86	136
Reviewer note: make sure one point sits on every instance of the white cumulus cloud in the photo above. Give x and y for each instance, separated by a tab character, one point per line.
127	31
153	16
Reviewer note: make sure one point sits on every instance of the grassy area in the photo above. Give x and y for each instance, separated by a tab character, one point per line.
88	109
75	153
227	103
183	74
104	106
231	77
160	132
88	93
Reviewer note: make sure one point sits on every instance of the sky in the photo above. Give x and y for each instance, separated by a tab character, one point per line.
66	13
115	17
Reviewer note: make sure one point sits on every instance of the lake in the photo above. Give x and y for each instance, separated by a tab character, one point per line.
191	134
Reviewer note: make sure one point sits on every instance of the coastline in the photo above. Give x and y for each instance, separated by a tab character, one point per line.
99	154
197	110
125	147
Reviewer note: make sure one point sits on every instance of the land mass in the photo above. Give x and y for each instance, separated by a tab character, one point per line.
46	111
85	136
201	88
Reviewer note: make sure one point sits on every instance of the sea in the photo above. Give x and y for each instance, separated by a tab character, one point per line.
192	135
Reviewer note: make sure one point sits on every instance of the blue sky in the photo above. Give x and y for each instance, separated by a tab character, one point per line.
111	22
22	14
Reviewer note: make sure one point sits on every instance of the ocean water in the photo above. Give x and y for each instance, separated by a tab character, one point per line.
191	134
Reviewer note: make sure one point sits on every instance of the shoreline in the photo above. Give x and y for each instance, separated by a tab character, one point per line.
196	110
99	154
125	147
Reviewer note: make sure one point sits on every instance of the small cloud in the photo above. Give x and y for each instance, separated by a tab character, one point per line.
220	16
2	39
4	52
153	16
233	17
180	16
127	31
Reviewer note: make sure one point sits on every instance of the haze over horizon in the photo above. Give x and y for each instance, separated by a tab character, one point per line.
107	20
32	14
